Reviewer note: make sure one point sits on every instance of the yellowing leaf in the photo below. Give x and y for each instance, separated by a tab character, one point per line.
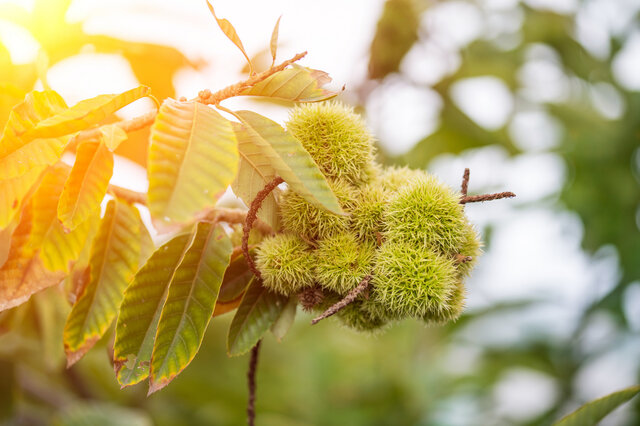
257	312
35	154
231	34
113	136
114	259
14	191
273	45
84	114
5	241
80	274
147	246
223	308
193	157
23	274
86	185
236	279
254	172
57	247
289	158
190	303
140	311
297	84
36	107
18	156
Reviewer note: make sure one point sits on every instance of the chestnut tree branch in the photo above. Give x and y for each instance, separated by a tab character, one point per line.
205	97
251	378
486	197
353	294
251	218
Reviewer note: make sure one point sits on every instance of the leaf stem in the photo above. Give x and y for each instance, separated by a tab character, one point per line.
251	218
132	125
205	97
251	378
221	214
128	194
353	294
465	183
486	197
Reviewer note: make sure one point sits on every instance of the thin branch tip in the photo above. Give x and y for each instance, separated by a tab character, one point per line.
486	197
349	298
206	97
465	182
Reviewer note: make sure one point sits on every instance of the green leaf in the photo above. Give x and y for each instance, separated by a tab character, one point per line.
231	34
594	411
83	115
192	159
18	156
289	158
285	320
236	279
193	292
254	172
257	312
114	259
140	311
273	45
296	84
86	185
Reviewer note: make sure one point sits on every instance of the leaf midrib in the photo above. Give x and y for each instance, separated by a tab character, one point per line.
101	268
252	307
84	180
162	301
188	298
187	151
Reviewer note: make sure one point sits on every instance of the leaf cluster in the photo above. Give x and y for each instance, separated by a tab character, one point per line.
69	224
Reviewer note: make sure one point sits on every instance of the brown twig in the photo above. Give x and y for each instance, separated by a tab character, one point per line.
251	218
465	182
206	97
128	194
353	294
486	197
221	214
251	378
134	124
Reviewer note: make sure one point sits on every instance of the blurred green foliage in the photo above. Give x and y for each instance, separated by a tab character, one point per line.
327	375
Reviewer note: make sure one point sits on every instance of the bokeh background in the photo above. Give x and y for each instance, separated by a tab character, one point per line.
539	97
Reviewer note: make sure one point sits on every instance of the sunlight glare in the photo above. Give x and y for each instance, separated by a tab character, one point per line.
22	46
